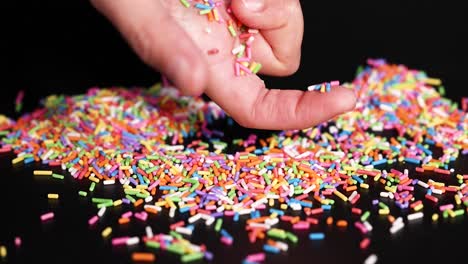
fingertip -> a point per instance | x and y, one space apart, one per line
346 99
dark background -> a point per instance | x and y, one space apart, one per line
67 47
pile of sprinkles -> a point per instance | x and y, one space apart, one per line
161 148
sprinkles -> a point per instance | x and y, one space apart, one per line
161 149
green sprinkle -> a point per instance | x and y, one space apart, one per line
174 248
58 176
101 200
106 204
365 215
185 3
293 238
153 244
277 233
219 224
92 186
83 193
192 257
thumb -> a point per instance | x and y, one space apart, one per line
262 14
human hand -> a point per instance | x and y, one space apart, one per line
173 40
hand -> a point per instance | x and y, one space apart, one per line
174 40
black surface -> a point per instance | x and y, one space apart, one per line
66 47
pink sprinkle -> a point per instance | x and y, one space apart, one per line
259 257
237 69
228 213
364 243
312 220
361 227
446 207
227 241
245 69
301 225
17 241
244 59
119 241
153 185
143 216
316 211
249 53
47 216
335 83
93 220
127 214
19 97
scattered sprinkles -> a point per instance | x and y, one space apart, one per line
323 87
160 147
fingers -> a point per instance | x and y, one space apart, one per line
252 105
158 41
282 27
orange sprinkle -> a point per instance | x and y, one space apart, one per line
123 220
143 257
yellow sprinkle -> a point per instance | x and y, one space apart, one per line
53 196
94 179
364 185
451 213
18 159
43 172
284 206
377 177
342 196
390 189
117 202
435 217
384 211
457 199
418 207
106 232
271 202
433 81
161 203
3 252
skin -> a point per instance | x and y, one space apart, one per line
172 39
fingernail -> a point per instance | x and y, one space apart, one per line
254 5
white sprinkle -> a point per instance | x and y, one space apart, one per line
149 199
149 232
309 189
396 227
209 221
415 216
372 259
368 226
194 218
172 212
133 241
101 211
423 184
183 230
